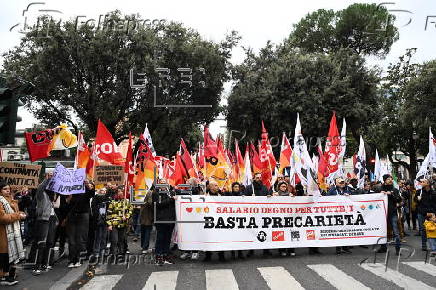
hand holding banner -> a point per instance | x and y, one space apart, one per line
67 181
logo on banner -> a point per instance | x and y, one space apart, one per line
261 236
310 234
189 209
295 235
278 236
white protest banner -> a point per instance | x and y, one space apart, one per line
67 181
238 223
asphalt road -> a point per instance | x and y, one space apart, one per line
304 271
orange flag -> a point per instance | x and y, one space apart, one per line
83 153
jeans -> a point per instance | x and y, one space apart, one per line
136 223
163 238
421 220
42 249
393 220
145 236
118 236
432 243
100 239
77 231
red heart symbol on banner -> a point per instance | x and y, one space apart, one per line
189 209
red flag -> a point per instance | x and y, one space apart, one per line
266 168
332 146
210 146
180 175
129 166
264 136
105 146
240 165
186 160
38 144
255 161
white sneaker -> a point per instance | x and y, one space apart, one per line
293 254
194 256
71 265
283 254
184 256
78 264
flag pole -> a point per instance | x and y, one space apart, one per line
76 160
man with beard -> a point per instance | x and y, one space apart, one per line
394 199
257 188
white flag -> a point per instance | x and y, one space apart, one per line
301 160
360 166
423 171
248 178
377 167
431 149
147 137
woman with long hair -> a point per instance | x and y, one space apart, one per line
11 245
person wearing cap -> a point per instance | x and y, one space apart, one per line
394 199
340 189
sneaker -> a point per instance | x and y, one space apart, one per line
71 265
36 272
283 254
292 254
167 261
184 256
8 281
159 260
194 256
78 264
46 268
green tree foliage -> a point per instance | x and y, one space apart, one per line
367 29
409 102
278 83
81 74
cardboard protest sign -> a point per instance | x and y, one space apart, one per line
67 181
18 175
109 173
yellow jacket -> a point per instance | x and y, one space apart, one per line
430 229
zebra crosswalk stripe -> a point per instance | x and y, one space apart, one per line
103 282
162 280
395 277
337 277
278 278
424 267
221 279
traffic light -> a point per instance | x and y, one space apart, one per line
8 116
9 103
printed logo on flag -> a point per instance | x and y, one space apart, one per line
278 236
310 235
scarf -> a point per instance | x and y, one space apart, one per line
13 234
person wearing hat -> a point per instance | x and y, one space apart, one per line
394 199
340 189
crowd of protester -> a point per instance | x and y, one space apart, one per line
97 223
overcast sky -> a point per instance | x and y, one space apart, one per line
256 21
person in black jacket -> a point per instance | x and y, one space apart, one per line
99 206
426 203
164 199
77 224
394 199
236 191
257 188
214 190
